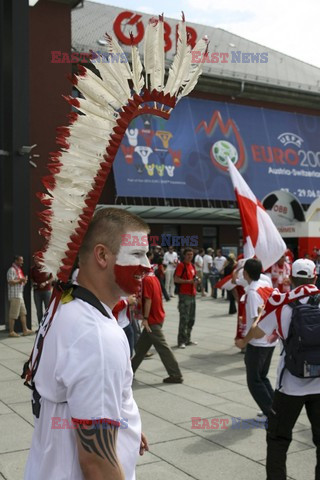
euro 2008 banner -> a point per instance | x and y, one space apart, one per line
185 156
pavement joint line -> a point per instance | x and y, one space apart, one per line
148 463
198 389
192 401
192 371
171 439
10 370
230 449
16 413
18 351
15 451
160 418
292 453
174 466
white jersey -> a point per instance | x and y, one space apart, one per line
253 303
219 262
84 373
170 260
291 385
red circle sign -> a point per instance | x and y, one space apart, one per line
134 19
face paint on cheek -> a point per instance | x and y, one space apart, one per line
132 263
129 277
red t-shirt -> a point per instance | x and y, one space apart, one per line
151 288
186 271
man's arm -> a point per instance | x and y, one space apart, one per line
182 280
97 452
12 278
254 332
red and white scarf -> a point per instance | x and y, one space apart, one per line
18 271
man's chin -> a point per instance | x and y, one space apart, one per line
131 289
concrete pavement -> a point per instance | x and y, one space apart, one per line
214 388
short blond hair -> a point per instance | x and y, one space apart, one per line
107 227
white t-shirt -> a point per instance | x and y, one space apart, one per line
84 373
291 385
198 262
207 262
219 262
172 258
252 304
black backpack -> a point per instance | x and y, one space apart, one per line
177 285
302 345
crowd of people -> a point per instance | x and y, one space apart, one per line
136 306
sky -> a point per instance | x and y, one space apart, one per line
290 27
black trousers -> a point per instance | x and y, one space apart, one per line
257 360
281 421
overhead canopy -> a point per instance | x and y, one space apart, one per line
180 215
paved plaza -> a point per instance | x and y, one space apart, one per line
214 387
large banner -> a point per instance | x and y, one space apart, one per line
180 158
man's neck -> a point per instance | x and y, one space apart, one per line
101 291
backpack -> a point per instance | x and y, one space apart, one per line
178 285
302 345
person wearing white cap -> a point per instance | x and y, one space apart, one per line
293 392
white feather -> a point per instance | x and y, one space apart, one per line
137 78
157 75
92 87
111 76
195 71
113 47
149 38
181 62
90 107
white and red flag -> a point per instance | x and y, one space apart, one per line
260 236
277 300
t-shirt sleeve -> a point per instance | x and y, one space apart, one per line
11 275
254 301
269 323
93 372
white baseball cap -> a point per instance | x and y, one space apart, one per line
303 268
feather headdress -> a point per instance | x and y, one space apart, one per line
89 144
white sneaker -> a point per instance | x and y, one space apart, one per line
182 345
260 413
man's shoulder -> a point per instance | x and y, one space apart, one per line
149 280
253 290
81 311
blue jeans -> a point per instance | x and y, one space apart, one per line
41 299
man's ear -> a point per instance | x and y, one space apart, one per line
101 254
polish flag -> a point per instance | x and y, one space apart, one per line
226 283
277 300
260 235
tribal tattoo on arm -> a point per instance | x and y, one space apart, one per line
100 439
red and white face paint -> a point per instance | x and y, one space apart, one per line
132 262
